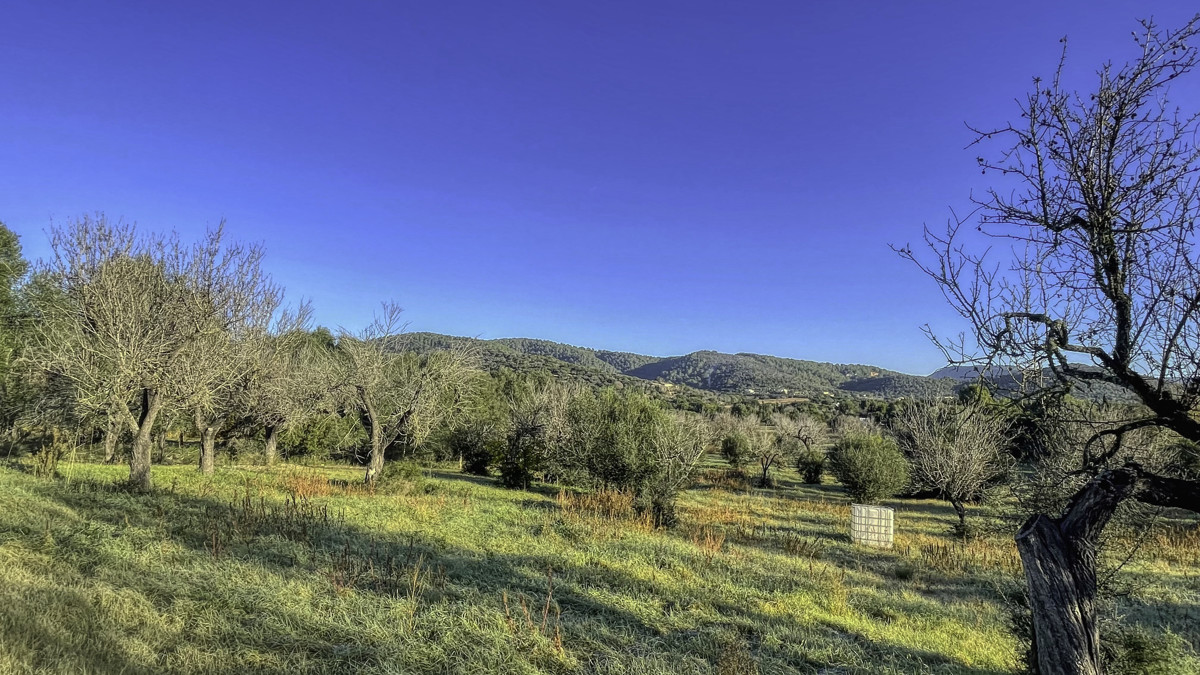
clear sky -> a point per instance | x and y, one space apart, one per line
657 177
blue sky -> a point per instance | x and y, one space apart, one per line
656 177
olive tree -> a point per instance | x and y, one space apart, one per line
399 395
955 449
1095 207
535 426
122 316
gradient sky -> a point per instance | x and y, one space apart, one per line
657 177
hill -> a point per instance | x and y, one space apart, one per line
717 372
1007 381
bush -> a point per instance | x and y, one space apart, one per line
478 444
811 464
735 448
870 466
1130 650
401 471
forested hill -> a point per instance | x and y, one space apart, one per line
754 374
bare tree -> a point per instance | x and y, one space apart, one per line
1095 212
290 379
126 312
774 446
953 448
400 395
216 371
811 432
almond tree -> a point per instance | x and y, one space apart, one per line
953 448
291 377
1095 214
129 312
400 395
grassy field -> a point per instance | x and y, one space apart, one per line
299 570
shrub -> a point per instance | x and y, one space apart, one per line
735 448
870 466
401 471
811 464
1132 649
477 444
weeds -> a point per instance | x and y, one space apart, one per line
709 541
528 626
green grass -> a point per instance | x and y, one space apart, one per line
285 572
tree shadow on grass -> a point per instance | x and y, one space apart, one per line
109 534
259 572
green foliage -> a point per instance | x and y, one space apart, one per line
12 270
704 370
478 443
871 467
811 464
14 392
1133 650
975 393
323 436
735 448
401 471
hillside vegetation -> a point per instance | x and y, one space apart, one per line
704 370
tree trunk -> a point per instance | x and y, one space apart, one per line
375 459
207 428
378 446
1059 557
960 510
208 449
143 445
111 435
269 447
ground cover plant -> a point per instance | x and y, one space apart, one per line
306 569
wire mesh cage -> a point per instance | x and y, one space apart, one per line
872 525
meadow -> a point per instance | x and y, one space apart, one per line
302 569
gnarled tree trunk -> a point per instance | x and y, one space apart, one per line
1059 557
143 443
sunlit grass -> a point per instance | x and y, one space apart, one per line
301 569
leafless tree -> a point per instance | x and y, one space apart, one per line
128 312
216 372
401 395
953 448
1095 210
811 432
772 446
291 378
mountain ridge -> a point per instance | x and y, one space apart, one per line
743 373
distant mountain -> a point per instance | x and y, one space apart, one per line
745 374
1007 381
